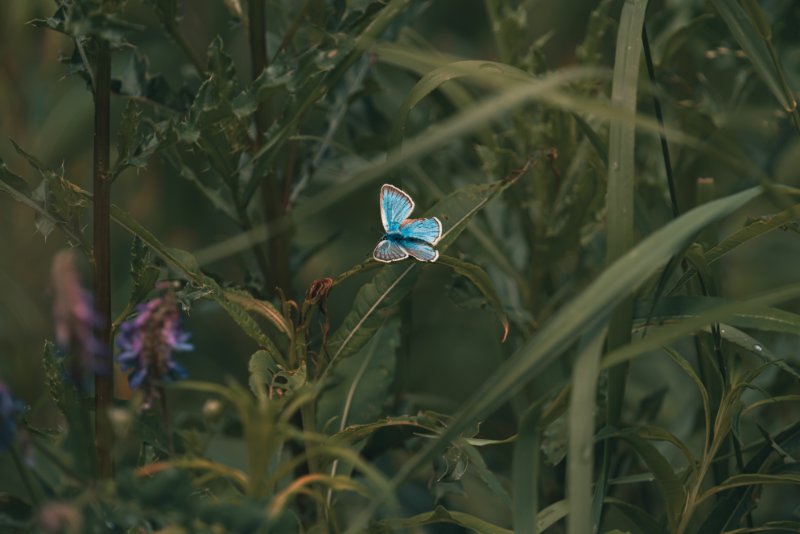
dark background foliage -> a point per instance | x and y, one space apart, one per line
183 146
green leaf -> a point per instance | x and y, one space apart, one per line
262 367
751 41
671 309
751 479
360 384
482 282
580 456
264 308
687 368
441 515
144 274
751 230
728 509
664 335
525 470
668 481
37 200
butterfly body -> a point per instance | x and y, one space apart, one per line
405 237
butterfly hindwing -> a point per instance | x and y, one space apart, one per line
420 250
396 206
428 230
389 251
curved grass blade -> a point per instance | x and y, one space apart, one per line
481 281
485 71
662 336
673 309
670 484
744 235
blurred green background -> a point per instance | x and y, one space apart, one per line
708 90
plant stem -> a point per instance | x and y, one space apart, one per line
271 198
103 381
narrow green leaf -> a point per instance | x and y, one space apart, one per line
485 71
580 421
670 484
751 41
672 309
731 506
621 182
620 196
482 282
525 471
751 230
687 368
667 334
751 479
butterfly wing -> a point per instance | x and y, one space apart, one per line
389 251
396 206
428 230
420 250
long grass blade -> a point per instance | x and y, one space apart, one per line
580 449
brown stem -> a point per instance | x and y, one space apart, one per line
279 274
104 380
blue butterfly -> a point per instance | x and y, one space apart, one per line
405 237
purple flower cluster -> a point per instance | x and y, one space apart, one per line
10 408
75 320
147 342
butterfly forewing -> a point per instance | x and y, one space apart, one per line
428 230
389 251
396 206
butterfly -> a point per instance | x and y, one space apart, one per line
405 237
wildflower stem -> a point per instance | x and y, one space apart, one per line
104 382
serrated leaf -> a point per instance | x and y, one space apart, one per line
262 368
480 280
263 308
144 274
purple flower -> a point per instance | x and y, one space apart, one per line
147 342
10 408
75 319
